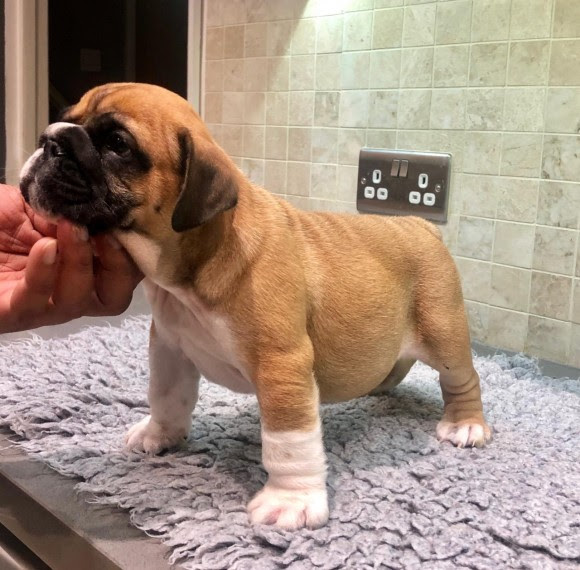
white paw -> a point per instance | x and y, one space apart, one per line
464 434
151 437
289 510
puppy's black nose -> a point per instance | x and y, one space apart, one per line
53 149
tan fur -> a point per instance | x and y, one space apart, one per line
319 304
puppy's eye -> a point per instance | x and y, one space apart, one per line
117 144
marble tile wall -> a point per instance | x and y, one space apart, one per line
294 88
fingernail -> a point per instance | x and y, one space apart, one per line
50 251
113 242
82 233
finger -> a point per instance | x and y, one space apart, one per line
30 300
116 276
75 281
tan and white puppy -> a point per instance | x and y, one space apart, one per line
297 307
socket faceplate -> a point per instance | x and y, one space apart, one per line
402 182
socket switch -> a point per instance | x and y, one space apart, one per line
403 182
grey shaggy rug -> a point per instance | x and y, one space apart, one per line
399 499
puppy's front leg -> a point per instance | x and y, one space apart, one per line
173 393
292 450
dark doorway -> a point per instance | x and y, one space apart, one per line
101 41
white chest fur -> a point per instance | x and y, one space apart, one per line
185 324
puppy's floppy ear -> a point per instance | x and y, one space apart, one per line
206 189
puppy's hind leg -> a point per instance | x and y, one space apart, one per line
395 377
173 392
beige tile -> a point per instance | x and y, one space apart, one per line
253 168
475 279
554 250
214 76
510 288
414 109
302 70
565 62
491 19
357 31
277 109
559 204
304 37
358 5
215 12
233 108
301 108
255 108
329 32
299 143
453 22
298 179
325 145
328 71
478 319
233 42
578 259
385 68
528 62
299 202
416 67
479 195
524 109
216 132
323 181
255 40
233 75
381 138
484 109
521 155
419 25
213 107
383 107
455 194
448 109
482 153
346 183
561 157
354 109
576 302
315 8
276 143
354 70
214 43
275 176
279 37
517 200
530 19
550 296
450 66
254 138
278 77
234 12
233 139
514 244
488 64
326 107
567 19
450 141
350 141
475 238
387 28
268 10
255 74
574 356
563 110
388 3
507 329
449 232
412 140
548 338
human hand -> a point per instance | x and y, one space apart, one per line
50 274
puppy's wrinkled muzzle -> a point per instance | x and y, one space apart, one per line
71 169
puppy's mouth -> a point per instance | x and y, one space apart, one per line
65 178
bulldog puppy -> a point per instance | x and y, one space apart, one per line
297 307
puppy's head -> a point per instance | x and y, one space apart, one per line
133 157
